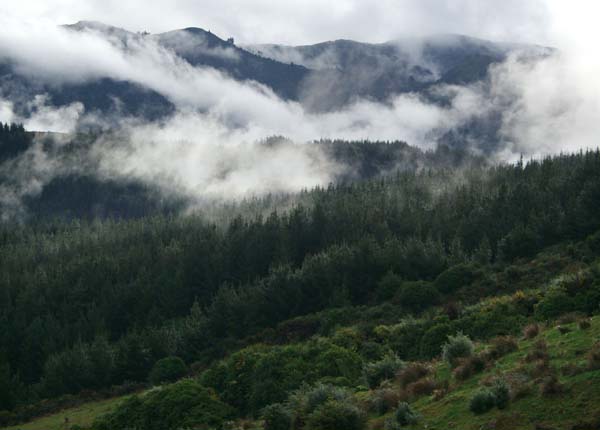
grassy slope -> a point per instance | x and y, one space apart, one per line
579 402
82 415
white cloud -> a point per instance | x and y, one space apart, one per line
207 147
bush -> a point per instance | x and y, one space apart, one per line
584 324
482 401
306 399
168 369
417 295
468 367
571 369
424 387
569 318
459 346
539 352
501 393
433 339
381 370
388 286
384 400
412 373
531 331
503 345
550 386
186 404
336 415
593 357
276 417
455 277
405 415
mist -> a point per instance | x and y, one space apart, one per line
208 146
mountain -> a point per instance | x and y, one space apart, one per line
202 48
344 70
323 77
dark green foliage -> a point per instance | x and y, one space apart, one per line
384 400
13 140
167 369
574 293
522 241
310 401
384 369
416 296
405 415
483 401
276 417
433 339
336 415
457 347
185 404
90 304
388 286
83 366
497 395
501 393
254 377
11 389
455 277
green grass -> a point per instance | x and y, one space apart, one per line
579 402
82 415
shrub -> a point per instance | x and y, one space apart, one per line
531 331
384 400
412 373
305 400
550 386
185 404
405 415
468 367
569 318
381 370
423 387
593 357
584 324
455 277
503 345
555 302
276 417
458 346
417 295
6 418
541 368
482 401
336 415
433 339
452 310
388 286
570 369
168 369
501 393
539 352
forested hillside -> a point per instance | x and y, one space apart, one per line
401 255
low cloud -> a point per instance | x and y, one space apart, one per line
43 116
208 147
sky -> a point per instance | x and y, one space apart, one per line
311 21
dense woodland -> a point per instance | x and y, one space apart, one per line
93 302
